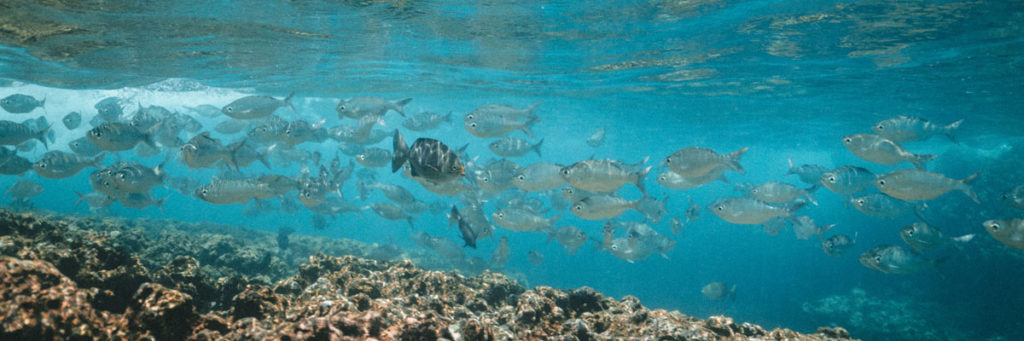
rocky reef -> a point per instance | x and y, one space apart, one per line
877 318
84 278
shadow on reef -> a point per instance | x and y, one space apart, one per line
89 279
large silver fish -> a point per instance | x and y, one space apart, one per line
835 246
779 193
11 163
717 291
571 237
429 159
514 147
58 165
1007 231
746 210
878 149
605 175
116 136
500 111
602 206
21 103
675 181
14 133
257 106
883 206
847 180
892 259
228 191
922 236
1014 197
426 121
493 126
906 128
362 106
692 162
539 177
914 184
517 219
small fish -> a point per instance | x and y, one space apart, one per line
496 177
116 136
571 237
14 133
808 173
892 259
491 126
746 210
922 236
605 175
358 107
847 180
109 109
205 110
469 235
717 291
391 212
72 120
256 106
426 121
358 133
773 226
692 212
779 193
539 177
395 193
804 227
602 206
914 184
535 257
906 128
229 191
501 253
299 131
241 154
374 157
677 225
132 177
445 247
1007 231
202 151
1014 197
514 147
429 159
672 180
24 189
56 164
82 146
20 103
596 139
500 111
878 149
141 200
517 219
11 163
95 200
692 162
835 246
883 206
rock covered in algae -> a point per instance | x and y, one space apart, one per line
327 298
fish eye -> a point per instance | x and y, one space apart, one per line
229 109
847 140
473 124
753 190
668 160
455 168
720 208
881 182
565 172
860 201
832 179
42 165
880 127
521 177
341 107
994 227
501 214
828 245
878 259
910 233
485 179
205 191
578 208
469 117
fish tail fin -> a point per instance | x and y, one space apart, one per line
448 118
288 101
810 197
825 228
959 242
640 179
532 108
733 160
233 154
526 127
160 204
263 156
411 225
796 206
919 211
919 160
551 222
81 197
551 234
965 187
948 130
41 136
97 161
400 153
536 147
363 191
400 106
791 166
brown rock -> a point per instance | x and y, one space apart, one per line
40 303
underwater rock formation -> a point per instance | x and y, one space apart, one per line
878 318
77 278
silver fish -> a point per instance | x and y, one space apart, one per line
232 126
257 106
500 111
535 257
72 120
501 253
605 175
299 131
692 212
109 109
517 219
573 194
374 157
847 180
779 193
496 176
229 191
1007 231
205 110
492 126
13 133
58 165
391 212
746 210
883 206
398 194
835 246
717 291
24 189
677 225
571 237
878 149
95 199
20 103
131 177
692 162
602 206
596 139
358 107
116 136
11 163
539 177
141 200
426 121
514 147
892 259
469 235
444 247
672 180
808 173
773 226
1014 197
922 236
202 151
804 227
914 184
906 128
429 159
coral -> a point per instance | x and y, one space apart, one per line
81 278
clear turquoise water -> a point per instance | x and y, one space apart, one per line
786 78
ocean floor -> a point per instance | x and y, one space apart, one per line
92 278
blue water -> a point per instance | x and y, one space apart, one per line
788 79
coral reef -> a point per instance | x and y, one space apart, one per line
85 279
